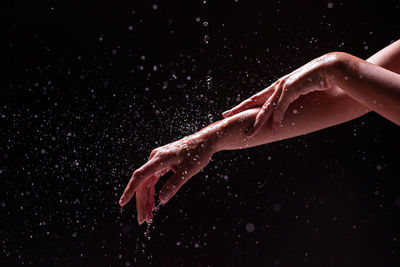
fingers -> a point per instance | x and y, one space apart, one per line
151 191
254 101
280 110
172 186
141 202
150 203
248 103
151 167
264 114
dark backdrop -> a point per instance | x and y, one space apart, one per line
89 88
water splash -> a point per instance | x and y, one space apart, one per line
209 80
206 38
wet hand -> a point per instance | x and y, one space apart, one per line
184 157
276 98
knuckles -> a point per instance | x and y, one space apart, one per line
163 153
153 153
253 98
137 173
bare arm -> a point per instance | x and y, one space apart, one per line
187 156
373 86
310 113
378 84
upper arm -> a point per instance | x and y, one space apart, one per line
388 57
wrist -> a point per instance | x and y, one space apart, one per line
209 137
229 133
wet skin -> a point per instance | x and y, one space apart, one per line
373 86
330 90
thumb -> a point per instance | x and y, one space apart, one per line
172 186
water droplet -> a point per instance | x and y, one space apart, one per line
250 227
277 207
209 80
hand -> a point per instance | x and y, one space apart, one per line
278 96
184 157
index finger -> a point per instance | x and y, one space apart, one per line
154 165
254 101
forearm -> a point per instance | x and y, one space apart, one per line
310 113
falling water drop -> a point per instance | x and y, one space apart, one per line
210 117
209 80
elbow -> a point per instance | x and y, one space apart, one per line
338 59
340 63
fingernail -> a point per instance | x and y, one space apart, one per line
150 218
122 199
165 197
226 113
140 219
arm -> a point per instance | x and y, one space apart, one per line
374 87
189 155
291 87
310 113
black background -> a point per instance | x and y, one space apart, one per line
89 88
